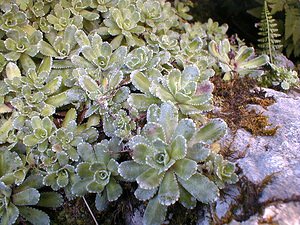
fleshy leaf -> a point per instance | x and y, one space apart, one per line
168 191
47 110
46 49
52 86
50 180
9 161
161 92
95 187
79 188
29 196
144 194
115 80
140 81
174 81
210 132
80 61
140 152
203 189
88 84
121 95
86 152
153 113
113 166
62 179
113 190
186 199
178 148
198 152
82 38
130 170
190 109
243 54
185 168
168 118
256 62
149 179
83 170
154 131
186 128
141 101
50 199
46 65
5 128
11 215
33 181
12 71
34 216
155 213
101 201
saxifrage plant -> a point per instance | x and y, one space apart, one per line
87 84
170 157
237 63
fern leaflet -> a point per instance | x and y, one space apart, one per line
269 43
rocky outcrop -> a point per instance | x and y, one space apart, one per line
276 158
283 214
271 163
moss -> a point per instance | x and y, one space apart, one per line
257 124
262 101
232 97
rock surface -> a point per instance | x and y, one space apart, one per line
135 217
275 157
283 214
273 162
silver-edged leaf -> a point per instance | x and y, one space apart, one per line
155 213
168 190
202 188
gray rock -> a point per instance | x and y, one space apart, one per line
283 214
224 205
276 157
135 217
272 162
204 217
253 220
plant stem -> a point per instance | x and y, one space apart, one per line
87 205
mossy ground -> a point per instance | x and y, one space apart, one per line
233 97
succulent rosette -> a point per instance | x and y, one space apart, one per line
166 156
241 62
98 173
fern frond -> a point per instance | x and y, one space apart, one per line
269 42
